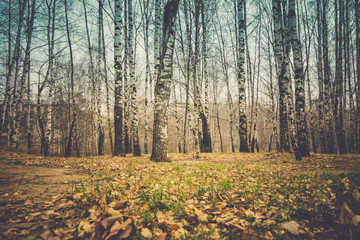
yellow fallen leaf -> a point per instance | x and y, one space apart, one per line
84 227
179 234
158 234
268 235
160 217
292 227
144 208
113 212
146 233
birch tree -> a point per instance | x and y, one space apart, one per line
145 8
357 24
133 90
163 84
119 147
72 110
328 109
10 99
338 101
21 93
241 77
299 83
99 76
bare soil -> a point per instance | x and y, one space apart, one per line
29 189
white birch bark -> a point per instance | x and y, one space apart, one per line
72 110
145 7
241 77
99 76
299 83
163 84
133 90
51 43
19 101
119 147
10 100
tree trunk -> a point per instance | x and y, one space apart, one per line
163 84
328 110
107 88
133 90
119 147
28 114
146 20
338 108
10 104
21 93
279 55
72 130
7 95
357 24
187 86
99 76
241 78
157 42
299 83
178 143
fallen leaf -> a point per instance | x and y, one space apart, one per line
160 217
146 233
144 208
114 212
355 220
268 235
84 227
179 234
292 227
158 234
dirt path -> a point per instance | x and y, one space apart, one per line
25 189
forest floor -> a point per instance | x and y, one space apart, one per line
219 196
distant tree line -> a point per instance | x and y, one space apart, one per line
82 78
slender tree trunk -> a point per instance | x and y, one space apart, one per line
10 104
72 130
196 90
338 108
178 143
241 77
299 83
119 146
28 114
218 115
279 52
187 87
7 96
146 20
320 75
357 24
133 90
21 94
163 84
328 110
127 96
107 89
91 76
205 67
157 42
51 43
99 76
274 135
